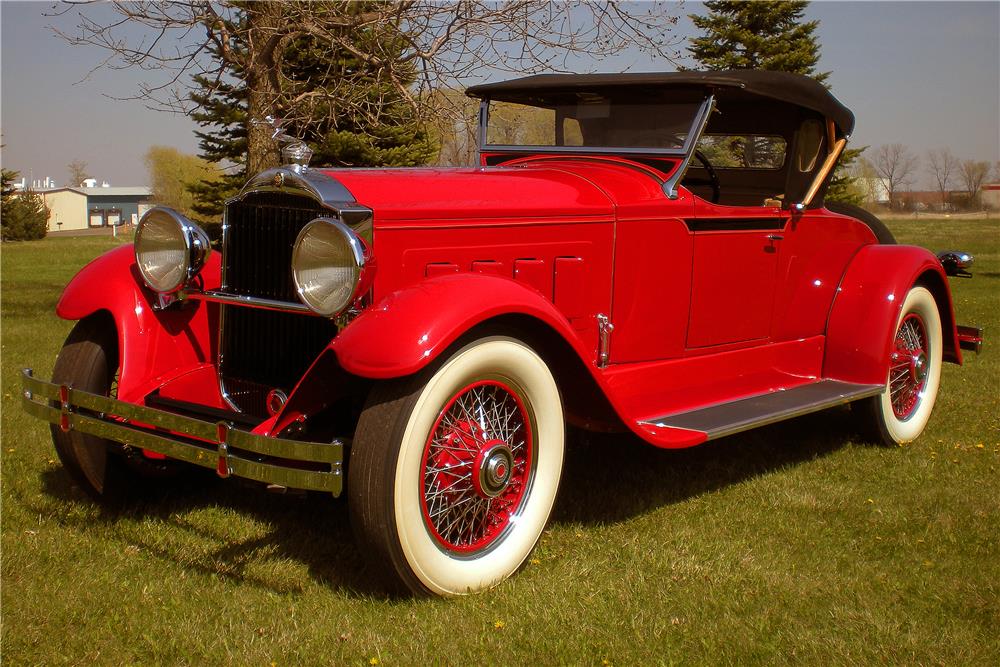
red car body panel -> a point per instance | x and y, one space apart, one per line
487 196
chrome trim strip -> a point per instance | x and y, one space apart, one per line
38 393
484 116
315 184
701 122
217 296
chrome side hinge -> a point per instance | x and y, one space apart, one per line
604 329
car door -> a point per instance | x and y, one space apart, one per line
734 273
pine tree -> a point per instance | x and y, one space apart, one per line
768 35
330 100
222 109
757 35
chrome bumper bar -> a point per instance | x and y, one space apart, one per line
315 466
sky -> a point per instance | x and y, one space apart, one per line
924 74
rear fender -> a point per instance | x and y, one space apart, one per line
154 346
862 322
409 328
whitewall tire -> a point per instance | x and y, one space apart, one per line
453 472
900 414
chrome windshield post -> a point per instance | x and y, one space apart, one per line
697 128
484 119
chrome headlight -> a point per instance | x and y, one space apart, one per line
330 266
169 249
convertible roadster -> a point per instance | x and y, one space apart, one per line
644 253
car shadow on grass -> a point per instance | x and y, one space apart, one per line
606 479
612 478
312 529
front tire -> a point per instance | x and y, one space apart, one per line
454 471
901 412
104 469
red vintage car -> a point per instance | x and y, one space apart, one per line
647 253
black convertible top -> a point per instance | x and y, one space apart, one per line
783 86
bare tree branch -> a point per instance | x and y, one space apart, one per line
896 166
444 43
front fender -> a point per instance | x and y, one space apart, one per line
153 345
410 327
862 323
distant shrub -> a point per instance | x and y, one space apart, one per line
24 218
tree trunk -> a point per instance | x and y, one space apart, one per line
265 33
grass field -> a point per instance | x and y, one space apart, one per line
795 543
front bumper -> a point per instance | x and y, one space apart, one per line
315 466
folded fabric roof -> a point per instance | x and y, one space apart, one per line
783 86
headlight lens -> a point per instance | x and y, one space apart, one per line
169 249
328 265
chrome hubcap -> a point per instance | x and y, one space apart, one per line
919 367
494 464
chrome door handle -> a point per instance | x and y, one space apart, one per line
775 237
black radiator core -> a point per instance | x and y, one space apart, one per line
260 349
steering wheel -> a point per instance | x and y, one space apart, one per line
713 177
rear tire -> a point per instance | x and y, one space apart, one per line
454 471
900 413
104 469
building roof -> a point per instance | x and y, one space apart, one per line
120 191
783 86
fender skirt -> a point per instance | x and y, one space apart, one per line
862 323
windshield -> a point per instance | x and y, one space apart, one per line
599 123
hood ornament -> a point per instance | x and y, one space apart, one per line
294 152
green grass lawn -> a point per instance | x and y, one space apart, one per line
794 543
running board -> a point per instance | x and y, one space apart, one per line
746 413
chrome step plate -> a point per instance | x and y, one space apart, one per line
744 414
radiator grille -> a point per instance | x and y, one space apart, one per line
262 349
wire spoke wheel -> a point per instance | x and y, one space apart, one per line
476 467
909 366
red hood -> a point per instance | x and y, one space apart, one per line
434 194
